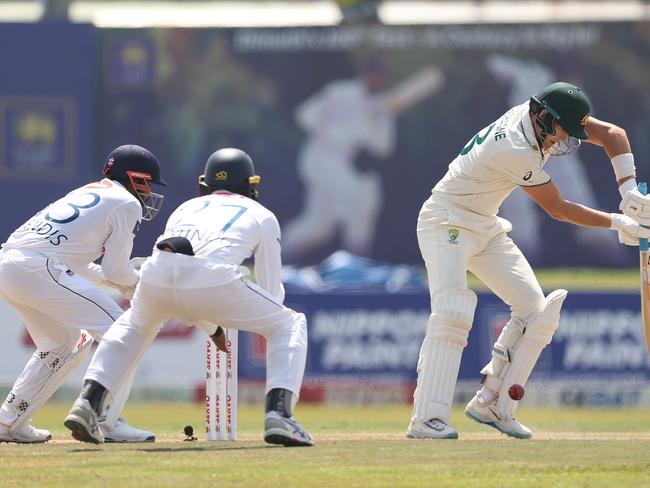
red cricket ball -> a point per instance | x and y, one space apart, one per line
516 392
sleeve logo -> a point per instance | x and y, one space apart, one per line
528 176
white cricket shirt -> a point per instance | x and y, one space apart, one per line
226 229
99 219
492 164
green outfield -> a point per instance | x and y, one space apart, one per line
357 446
575 279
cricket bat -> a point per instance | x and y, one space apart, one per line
644 253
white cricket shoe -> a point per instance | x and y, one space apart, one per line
24 435
486 414
285 431
431 429
82 421
123 432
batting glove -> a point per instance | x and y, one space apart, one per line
636 206
629 230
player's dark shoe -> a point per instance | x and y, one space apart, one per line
285 431
82 421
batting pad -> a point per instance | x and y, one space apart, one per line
502 353
537 336
439 361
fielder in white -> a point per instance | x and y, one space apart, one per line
459 230
195 275
47 272
342 119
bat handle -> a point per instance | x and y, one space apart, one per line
643 189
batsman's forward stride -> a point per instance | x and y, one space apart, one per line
458 230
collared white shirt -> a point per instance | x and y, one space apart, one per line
228 228
98 219
493 163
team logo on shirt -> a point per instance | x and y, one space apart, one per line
221 176
453 235
528 176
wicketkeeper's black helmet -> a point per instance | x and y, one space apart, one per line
230 169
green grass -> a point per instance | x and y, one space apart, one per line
357 446
574 279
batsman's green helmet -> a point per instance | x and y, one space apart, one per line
568 105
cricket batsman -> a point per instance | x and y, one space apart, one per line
48 275
458 230
196 275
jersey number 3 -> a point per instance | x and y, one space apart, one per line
477 139
75 209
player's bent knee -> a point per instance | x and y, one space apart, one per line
300 325
452 315
542 327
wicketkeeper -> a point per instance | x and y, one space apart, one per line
195 275
48 275
459 230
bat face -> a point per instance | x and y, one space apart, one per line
645 295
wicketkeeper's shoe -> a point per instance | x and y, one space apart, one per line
123 432
285 431
486 414
82 421
431 429
24 435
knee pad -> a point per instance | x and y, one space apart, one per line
542 328
452 315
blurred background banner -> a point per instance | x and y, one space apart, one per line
351 126
366 347
47 119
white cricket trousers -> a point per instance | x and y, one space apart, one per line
196 294
54 304
492 256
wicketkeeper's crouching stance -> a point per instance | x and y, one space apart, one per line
459 230
48 275
195 275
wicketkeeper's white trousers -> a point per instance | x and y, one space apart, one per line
187 294
54 304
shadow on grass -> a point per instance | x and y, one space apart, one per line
203 448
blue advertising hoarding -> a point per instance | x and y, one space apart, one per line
47 119
378 337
